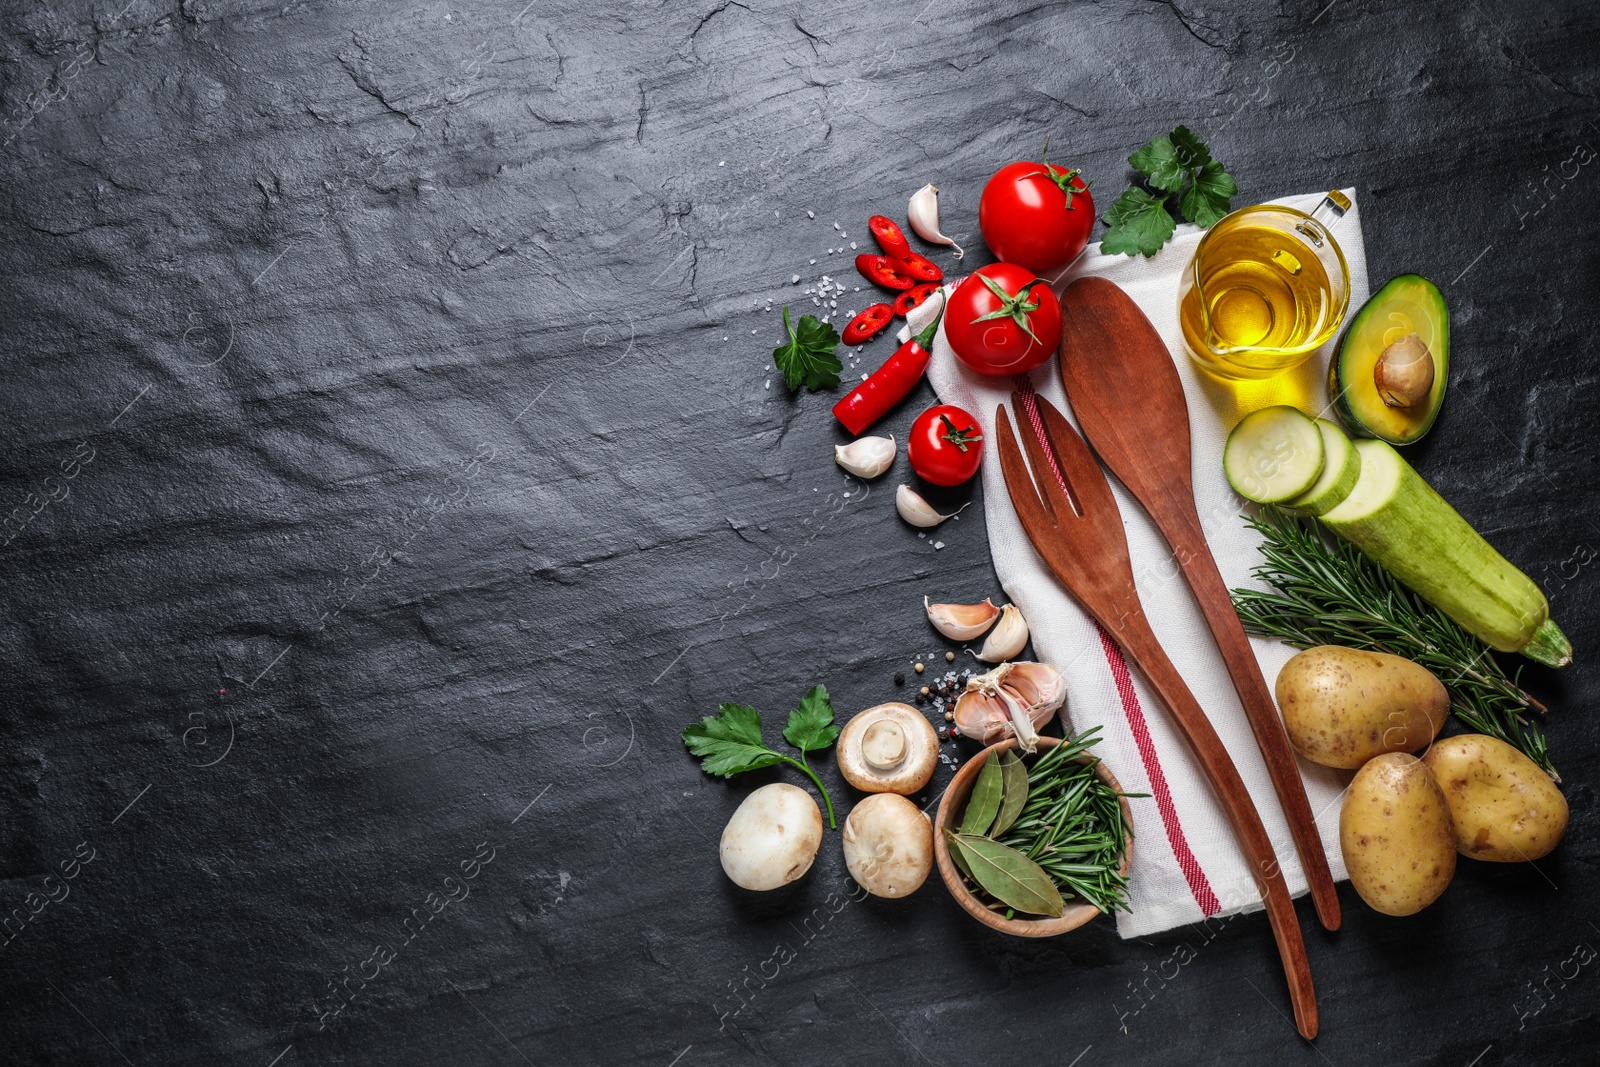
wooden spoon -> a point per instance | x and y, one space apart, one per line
1129 402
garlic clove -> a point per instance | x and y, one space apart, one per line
1040 686
917 511
866 457
1008 638
982 716
923 214
1404 372
962 622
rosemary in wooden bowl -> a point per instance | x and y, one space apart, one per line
1037 845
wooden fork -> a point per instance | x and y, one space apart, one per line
1072 519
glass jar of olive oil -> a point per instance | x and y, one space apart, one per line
1268 286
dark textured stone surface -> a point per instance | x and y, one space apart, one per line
391 368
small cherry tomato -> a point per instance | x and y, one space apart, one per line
921 268
946 445
881 270
867 325
1002 320
1036 215
913 297
891 238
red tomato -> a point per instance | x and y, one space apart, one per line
921 268
867 325
1002 320
1036 215
914 297
891 238
946 445
881 270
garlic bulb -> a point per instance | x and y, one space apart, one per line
1014 698
923 214
962 622
1008 638
865 457
917 511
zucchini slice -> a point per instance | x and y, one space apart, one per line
1273 454
1397 519
1340 470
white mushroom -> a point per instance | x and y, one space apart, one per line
888 845
773 838
888 749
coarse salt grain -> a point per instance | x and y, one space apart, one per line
811 214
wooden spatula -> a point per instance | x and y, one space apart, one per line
1129 402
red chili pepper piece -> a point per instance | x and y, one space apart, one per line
921 268
888 385
881 270
913 297
891 238
867 325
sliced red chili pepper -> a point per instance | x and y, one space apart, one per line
891 238
867 325
881 270
889 384
914 296
921 268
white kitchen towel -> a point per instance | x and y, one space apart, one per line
1187 864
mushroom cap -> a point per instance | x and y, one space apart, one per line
772 838
888 845
890 748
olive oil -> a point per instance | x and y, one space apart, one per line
1266 287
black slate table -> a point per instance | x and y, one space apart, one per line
393 469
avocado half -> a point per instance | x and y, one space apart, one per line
1408 304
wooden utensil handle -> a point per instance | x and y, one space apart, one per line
1133 633
1200 567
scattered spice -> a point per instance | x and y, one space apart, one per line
899 678
918 668
949 657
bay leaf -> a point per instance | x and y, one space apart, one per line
1013 792
1009 876
957 858
984 802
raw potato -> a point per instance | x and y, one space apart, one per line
1505 808
772 838
1343 706
1395 830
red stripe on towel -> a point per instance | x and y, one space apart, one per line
1199 885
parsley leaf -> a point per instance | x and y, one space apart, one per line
811 724
1192 152
1206 201
808 357
1158 162
1142 221
729 742
1137 222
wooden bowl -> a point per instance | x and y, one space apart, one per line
1073 916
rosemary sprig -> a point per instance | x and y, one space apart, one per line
1072 825
1329 593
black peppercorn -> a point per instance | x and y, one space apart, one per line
899 678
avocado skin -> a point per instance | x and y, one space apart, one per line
1350 384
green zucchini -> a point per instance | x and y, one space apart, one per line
1273 454
1340 470
1397 519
